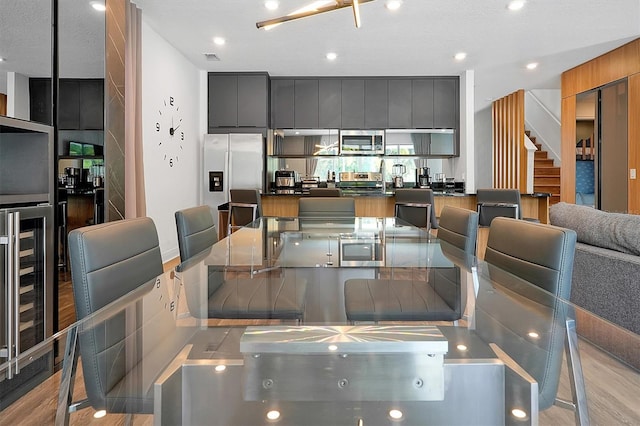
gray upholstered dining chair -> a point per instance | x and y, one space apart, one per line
319 207
439 298
499 202
265 296
245 206
325 192
416 206
108 261
542 255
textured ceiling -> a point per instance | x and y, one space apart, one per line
418 39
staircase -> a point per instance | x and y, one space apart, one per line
546 176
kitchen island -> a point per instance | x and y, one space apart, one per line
382 204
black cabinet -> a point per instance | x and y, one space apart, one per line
330 103
306 104
400 108
238 100
40 100
81 103
422 103
445 103
353 104
376 104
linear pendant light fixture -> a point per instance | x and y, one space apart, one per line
311 11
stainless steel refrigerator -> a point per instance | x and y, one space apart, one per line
231 161
26 255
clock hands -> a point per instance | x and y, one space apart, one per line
172 130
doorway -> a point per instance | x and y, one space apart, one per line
601 148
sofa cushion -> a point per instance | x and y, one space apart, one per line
615 231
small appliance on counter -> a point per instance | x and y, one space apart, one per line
286 179
397 172
423 180
309 182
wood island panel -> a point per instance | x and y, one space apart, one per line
287 205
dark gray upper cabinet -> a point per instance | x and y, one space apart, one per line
69 109
238 100
400 104
306 104
282 103
352 103
81 103
376 104
422 103
253 100
329 103
445 103
91 103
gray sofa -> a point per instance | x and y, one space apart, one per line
606 272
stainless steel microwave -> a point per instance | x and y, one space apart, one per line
362 142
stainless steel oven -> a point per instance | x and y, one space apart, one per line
361 250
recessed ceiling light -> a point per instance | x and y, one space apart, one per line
99 414
515 5
273 415
332 56
271 4
1 59
395 414
518 413
100 7
532 66
393 4
460 56
219 41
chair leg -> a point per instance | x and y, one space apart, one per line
576 379
67 381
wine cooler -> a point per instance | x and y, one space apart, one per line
26 299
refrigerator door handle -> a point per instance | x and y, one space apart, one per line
10 277
228 158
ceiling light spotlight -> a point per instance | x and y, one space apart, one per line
532 66
271 4
515 5
273 415
518 413
393 4
1 59
100 7
99 414
332 56
219 41
395 414
460 56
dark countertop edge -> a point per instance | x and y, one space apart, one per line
391 194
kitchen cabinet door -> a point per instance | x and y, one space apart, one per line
91 102
223 100
40 100
445 103
69 107
306 104
376 104
282 104
329 103
352 103
253 100
400 104
422 103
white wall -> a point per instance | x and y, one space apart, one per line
483 148
18 96
166 73
551 99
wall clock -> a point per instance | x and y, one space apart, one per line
169 131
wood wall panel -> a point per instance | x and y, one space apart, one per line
634 142
3 104
620 63
567 150
611 66
509 153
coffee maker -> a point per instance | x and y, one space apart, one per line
423 180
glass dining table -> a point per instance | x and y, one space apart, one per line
498 362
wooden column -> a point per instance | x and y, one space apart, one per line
509 152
